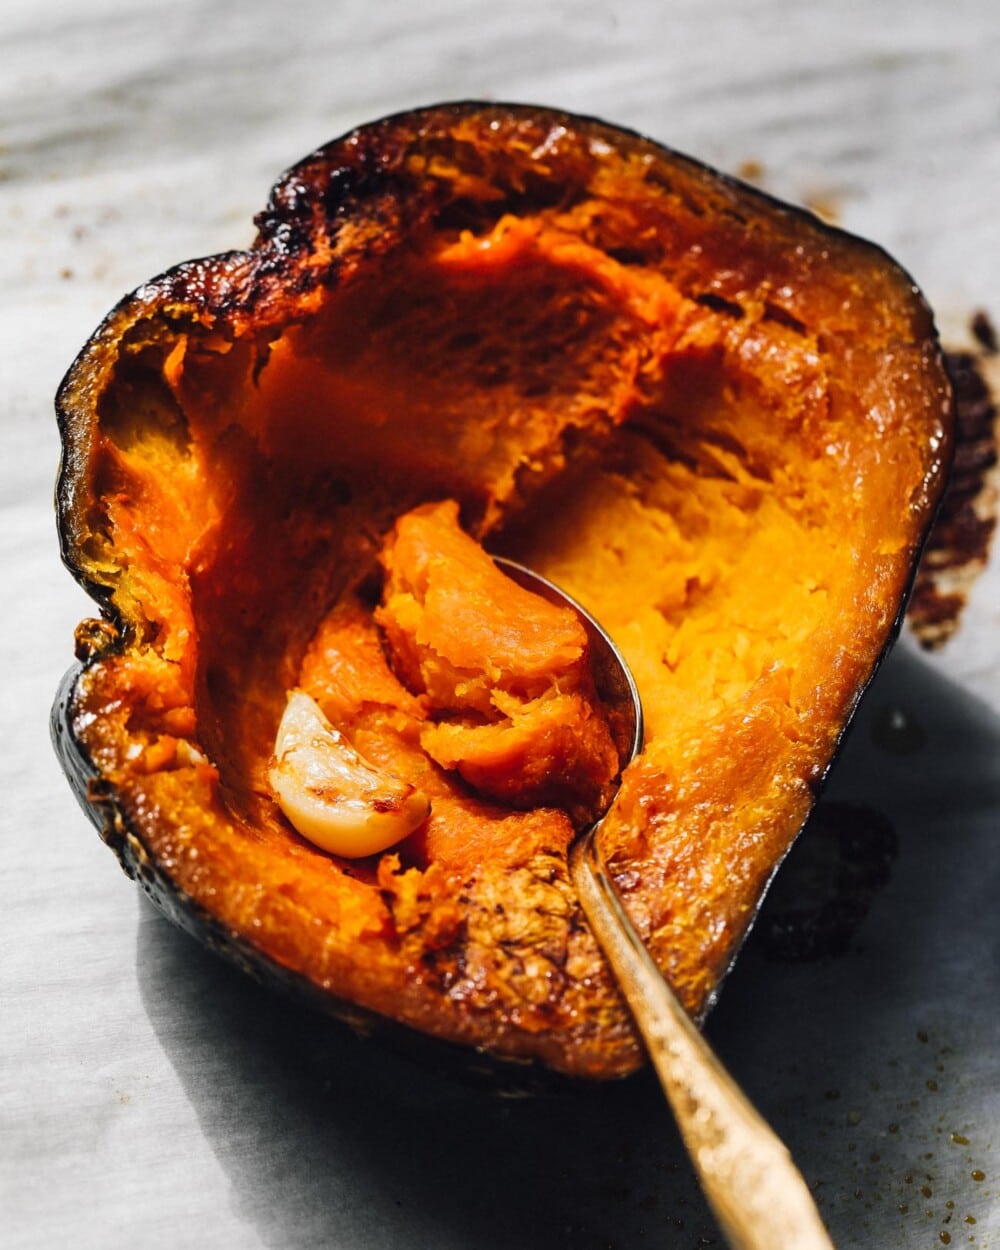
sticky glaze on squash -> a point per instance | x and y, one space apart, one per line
719 424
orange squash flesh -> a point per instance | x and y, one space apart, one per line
506 672
719 425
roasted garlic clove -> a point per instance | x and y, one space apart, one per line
331 794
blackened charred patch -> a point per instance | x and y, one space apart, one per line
959 544
344 186
717 303
781 316
324 186
629 256
985 333
826 886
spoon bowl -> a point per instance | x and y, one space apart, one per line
755 1190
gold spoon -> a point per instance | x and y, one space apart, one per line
746 1172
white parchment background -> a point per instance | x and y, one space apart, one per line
150 1098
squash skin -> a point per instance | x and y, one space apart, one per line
303 250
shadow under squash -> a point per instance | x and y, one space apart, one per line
332 1140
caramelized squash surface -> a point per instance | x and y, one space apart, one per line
719 425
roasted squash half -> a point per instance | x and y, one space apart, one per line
718 423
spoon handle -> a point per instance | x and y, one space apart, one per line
757 1194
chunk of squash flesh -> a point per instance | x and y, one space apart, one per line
504 673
